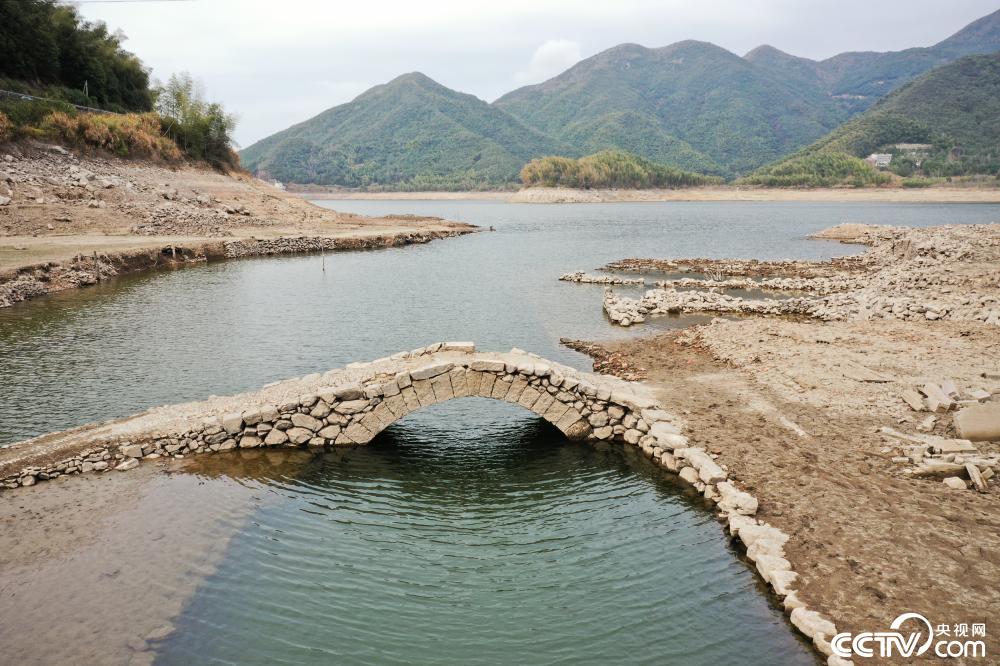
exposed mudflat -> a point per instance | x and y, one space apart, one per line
797 410
94 569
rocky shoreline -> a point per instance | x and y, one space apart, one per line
49 277
946 273
69 220
862 410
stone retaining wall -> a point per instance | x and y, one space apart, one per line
28 282
350 406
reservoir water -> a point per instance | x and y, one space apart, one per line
468 533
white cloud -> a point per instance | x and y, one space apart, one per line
549 59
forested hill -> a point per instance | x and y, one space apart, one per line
411 132
47 49
690 97
692 106
952 111
859 79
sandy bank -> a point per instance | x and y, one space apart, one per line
68 221
565 195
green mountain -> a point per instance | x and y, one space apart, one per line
953 110
861 78
696 94
692 106
409 133
639 134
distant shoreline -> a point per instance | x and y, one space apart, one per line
564 195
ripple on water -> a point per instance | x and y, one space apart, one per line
503 543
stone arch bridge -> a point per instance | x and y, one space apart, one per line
351 405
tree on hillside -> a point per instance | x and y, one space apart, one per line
202 129
47 43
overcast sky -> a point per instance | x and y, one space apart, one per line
278 62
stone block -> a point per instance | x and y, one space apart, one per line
372 423
555 411
459 383
530 396
735 500
249 442
486 384
397 405
329 432
956 483
689 474
275 438
979 423
307 422
570 417
487 366
541 405
425 392
299 435
516 389
603 433
358 433
465 347
347 392
432 370
131 450
384 414
441 385
598 419
578 430
232 423
410 398
500 389
348 407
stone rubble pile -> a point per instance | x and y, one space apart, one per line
810 284
935 273
52 176
362 399
587 278
959 461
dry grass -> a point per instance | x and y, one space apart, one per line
127 135
6 127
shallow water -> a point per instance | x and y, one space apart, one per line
469 532
499 542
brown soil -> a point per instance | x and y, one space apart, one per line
67 214
868 542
